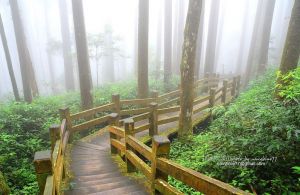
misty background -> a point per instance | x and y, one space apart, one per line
114 22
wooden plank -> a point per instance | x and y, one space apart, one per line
138 163
218 97
140 147
201 100
63 127
92 111
117 131
55 153
90 123
168 120
134 111
65 140
141 117
196 180
219 90
137 101
116 143
167 95
201 108
165 188
200 81
49 186
168 110
141 128
169 102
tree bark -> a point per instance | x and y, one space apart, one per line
187 67
199 43
158 45
168 43
66 44
8 62
212 37
291 52
266 29
242 41
21 46
82 55
109 55
253 49
143 25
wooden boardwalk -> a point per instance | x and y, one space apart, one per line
95 171
89 164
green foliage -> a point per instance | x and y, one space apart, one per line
255 129
24 129
289 89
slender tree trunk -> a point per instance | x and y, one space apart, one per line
168 43
49 52
180 36
158 45
199 43
291 52
8 61
33 82
82 55
187 67
242 41
143 26
65 33
110 65
253 49
21 46
212 37
266 29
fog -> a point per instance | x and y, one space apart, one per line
115 22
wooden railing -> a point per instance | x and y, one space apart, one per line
50 164
138 156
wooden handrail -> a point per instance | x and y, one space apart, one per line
161 167
130 146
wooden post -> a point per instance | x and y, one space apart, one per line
224 91
129 130
113 121
43 167
160 149
212 93
65 114
238 85
115 98
206 82
154 94
54 132
233 87
153 129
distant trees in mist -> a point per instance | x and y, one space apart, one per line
100 51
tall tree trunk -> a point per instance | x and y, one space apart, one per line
180 36
253 49
168 43
266 29
143 26
187 67
49 51
212 37
22 48
199 42
110 65
242 41
65 33
33 82
291 52
158 45
8 62
82 55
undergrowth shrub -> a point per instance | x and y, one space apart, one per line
253 144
